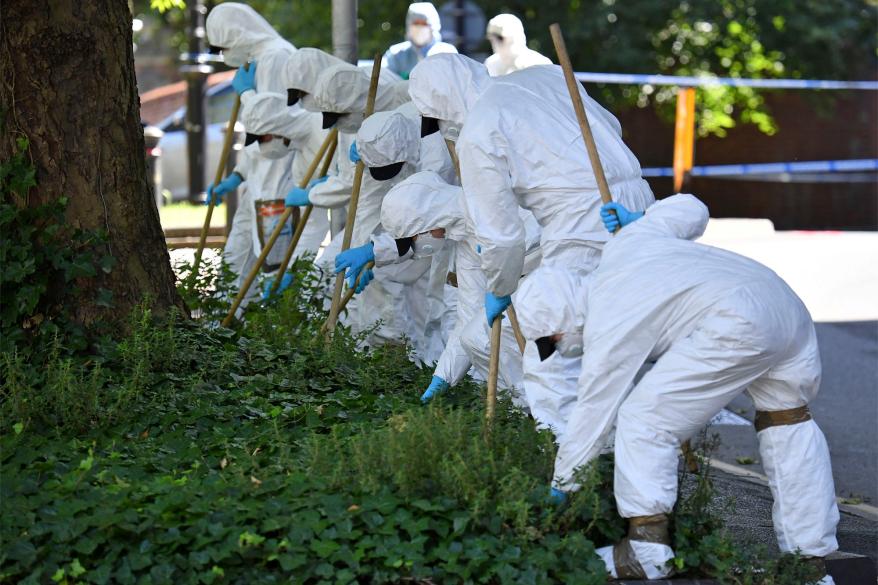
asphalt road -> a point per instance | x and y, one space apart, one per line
846 410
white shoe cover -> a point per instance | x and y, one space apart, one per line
653 557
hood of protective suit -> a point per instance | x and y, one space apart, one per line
421 203
241 32
551 300
388 137
305 66
509 27
268 114
425 11
446 86
344 89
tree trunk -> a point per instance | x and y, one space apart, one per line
68 85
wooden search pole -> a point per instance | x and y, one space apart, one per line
516 328
493 368
272 239
221 167
352 207
573 87
303 221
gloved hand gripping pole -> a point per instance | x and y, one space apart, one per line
220 169
352 207
303 221
257 266
349 294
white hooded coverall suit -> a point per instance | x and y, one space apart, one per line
511 53
245 36
424 202
716 324
520 145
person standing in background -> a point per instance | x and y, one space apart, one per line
511 53
423 40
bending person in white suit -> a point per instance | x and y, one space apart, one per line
716 324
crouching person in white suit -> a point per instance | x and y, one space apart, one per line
716 324
423 211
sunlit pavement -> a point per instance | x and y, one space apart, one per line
836 275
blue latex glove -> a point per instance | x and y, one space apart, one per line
227 185
494 306
353 154
245 79
622 217
437 386
355 259
285 282
365 278
557 497
299 197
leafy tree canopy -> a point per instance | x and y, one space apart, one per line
820 39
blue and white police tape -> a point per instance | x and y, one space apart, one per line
712 81
814 166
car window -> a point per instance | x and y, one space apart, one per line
175 122
219 107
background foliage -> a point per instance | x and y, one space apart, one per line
822 39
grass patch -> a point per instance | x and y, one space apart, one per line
189 215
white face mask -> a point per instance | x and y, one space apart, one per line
449 130
426 245
570 344
497 46
252 148
420 35
234 57
274 149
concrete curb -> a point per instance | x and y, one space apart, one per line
862 510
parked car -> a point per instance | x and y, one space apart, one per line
152 135
174 162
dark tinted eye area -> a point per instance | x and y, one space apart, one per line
546 347
214 50
293 96
330 118
250 138
429 126
403 245
386 172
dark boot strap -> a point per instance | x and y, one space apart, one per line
777 418
650 529
625 561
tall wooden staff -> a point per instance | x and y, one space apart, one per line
352 207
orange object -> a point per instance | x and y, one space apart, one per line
684 135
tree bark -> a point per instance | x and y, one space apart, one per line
68 85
